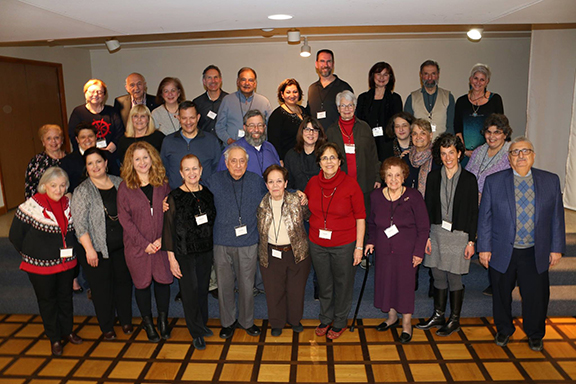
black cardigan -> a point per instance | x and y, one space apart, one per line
465 211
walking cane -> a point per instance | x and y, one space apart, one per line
361 291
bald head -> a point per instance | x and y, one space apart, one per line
136 86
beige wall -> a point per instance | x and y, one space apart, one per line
508 58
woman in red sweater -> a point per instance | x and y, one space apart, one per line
337 227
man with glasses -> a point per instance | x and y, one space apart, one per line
136 88
521 234
261 153
235 105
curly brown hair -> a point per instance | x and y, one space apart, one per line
156 174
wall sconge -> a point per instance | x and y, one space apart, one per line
113 45
305 51
475 34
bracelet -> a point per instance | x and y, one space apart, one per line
360 248
471 243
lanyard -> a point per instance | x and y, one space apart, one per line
392 207
236 198
197 199
482 170
277 231
325 214
170 118
449 197
249 108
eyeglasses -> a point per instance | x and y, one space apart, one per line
346 106
95 91
311 130
259 125
326 158
494 133
524 151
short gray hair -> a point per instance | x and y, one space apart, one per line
482 68
347 95
521 139
253 113
230 148
51 174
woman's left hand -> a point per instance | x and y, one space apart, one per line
469 251
158 243
357 256
416 261
165 205
303 198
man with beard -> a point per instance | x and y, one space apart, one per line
322 94
431 102
235 106
209 102
261 153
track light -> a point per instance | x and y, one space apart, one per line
305 51
113 45
293 36
475 34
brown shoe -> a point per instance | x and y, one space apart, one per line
111 335
57 348
127 329
74 338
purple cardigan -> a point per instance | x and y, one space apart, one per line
500 163
141 229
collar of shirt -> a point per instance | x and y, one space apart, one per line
134 103
519 175
244 99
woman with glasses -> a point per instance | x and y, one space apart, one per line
337 227
170 94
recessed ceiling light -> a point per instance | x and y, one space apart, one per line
280 16
475 34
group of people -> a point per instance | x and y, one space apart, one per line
162 187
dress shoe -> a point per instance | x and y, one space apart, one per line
178 296
127 329
254 330
298 328
228 332
335 333
276 332
199 343
322 329
405 337
214 293
148 326
208 332
110 335
536 344
74 338
57 348
384 327
501 339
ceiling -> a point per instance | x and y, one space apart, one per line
78 22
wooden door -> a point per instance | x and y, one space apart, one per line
31 95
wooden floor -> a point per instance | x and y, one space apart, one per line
363 356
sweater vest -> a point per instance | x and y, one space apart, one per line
438 116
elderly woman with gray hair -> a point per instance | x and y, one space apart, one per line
354 138
474 107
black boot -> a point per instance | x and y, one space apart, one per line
163 327
148 326
431 286
437 319
453 324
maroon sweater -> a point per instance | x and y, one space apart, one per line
346 207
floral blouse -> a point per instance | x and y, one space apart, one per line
36 168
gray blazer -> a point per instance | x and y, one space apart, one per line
88 213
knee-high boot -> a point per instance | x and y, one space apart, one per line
453 324
437 319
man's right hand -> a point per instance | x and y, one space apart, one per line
230 141
485 258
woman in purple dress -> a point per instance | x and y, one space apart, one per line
398 229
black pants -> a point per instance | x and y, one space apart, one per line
144 298
534 289
54 295
111 286
194 284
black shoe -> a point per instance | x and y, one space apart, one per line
487 291
199 343
163 326
405 337
57 348
178 296
110 335
384 327
254 330
228 332
536 344
208 332
148 326
127 329
501 340
275 332
298 328
214 293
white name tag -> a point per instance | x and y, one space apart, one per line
101 143
241 230
377 131
212 115
447 225
321 115
151 211
201 219
433 127
391 230
66 252
350 148
277 254
325 234
241 133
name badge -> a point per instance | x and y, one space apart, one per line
391 230
101 143
321 115
201 219
377 131
433 127
325 234
151 211
350 148
241 230
241 133
276 253
66 252
447 225
212 115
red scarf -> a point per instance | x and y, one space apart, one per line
57 208
348 138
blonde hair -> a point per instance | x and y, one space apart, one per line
92 82
156 174
43 130
140 108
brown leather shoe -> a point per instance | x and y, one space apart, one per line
110 335
57 348
127 329
74 338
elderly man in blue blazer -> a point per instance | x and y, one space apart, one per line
521 234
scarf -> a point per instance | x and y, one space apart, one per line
422 160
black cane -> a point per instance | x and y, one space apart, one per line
361 291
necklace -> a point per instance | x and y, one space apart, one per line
475 110
330 195
390 194
113 218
